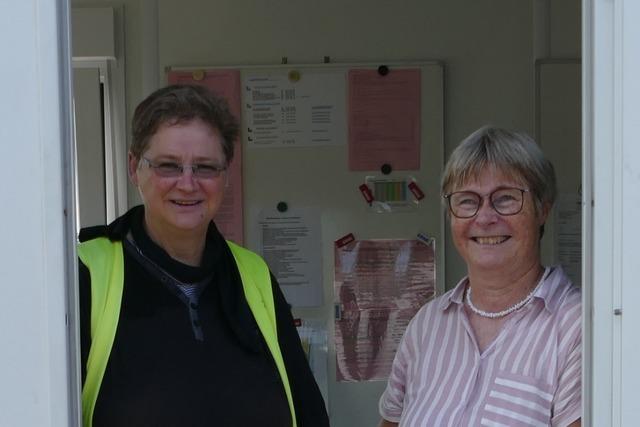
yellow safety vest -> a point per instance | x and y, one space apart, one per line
105 261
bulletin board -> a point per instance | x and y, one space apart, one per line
318 172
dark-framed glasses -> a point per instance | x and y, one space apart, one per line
168 169
505 201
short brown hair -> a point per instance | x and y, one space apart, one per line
179 104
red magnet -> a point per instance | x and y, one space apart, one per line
366 193
345 240
417 192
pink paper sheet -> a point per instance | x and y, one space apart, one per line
225 83
384 119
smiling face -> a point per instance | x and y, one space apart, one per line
180 206
491 243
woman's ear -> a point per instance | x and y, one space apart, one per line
133 169
544 213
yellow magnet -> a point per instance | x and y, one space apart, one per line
294 76
198 75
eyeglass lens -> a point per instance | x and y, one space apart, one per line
175 170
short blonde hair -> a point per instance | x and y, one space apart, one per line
514 154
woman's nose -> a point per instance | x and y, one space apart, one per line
186 181
486 213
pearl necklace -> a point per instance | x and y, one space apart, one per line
496 314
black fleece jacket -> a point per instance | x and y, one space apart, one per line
193 362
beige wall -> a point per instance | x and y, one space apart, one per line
489 47
565 28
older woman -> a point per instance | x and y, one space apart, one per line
503 348
179 326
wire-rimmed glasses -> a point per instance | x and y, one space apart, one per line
168 169
506 201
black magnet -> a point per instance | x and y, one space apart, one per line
383 70
282 207
386 169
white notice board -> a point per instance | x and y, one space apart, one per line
309 174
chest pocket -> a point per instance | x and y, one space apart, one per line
516 400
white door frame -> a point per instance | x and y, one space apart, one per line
39 384
611 230
114 146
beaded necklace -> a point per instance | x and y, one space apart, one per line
509 310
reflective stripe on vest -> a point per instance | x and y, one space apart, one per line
105 261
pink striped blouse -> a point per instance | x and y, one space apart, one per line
530 375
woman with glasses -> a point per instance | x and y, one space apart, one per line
178 326
502 348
